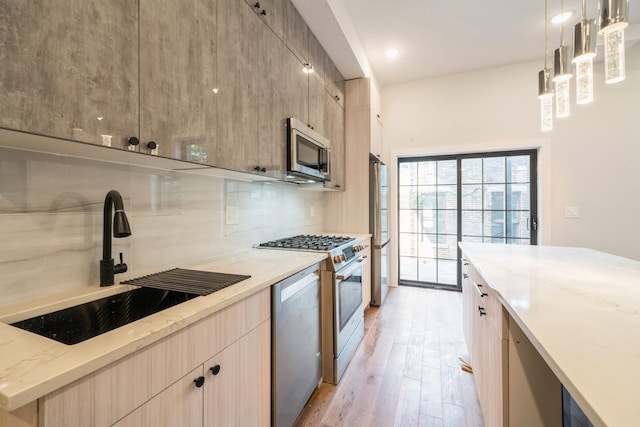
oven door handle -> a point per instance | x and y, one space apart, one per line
344 275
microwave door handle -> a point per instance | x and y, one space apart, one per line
326 152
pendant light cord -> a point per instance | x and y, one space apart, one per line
562 23
584 10
546 41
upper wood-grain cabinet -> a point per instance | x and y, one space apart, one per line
178 84
334 130
70 69
237 60
272 13
334 82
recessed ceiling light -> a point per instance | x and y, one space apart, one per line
391 53
561 17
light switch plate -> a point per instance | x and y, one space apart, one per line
572 212
232 215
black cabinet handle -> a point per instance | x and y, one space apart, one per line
337 98
337 186
199 381
263 13
465 275
215 370
480 291
259 169
482 311
257 5
151 145
133 141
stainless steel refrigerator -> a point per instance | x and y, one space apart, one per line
379 229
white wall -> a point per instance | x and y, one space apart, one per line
590 160
51 219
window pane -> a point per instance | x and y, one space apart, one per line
427 173
518 224
494 224
408 197
407 173
519 197
518 169
518 241
471 171
471 239
493 240
408 268
448 222
427 197
427 221
493 169
494 197
447 172
408 221
427 245
472 223
472 197
408 244
427 270
448 247
448 272
447 197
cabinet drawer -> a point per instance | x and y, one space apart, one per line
489 302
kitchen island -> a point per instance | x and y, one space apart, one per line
580 311
33 367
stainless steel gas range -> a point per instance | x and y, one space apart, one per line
342 307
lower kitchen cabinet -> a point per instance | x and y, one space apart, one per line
514 384
229 389
155 386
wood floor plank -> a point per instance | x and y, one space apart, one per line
406 370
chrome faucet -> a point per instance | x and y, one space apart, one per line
120 229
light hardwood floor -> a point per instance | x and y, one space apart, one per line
406 370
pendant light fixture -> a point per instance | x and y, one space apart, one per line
613 19
584 50
562 74
545 90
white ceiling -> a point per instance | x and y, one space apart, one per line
438 37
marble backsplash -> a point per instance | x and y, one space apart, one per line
51 219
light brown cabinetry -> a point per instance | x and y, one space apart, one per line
334 121
272 13
515 386
164 372
70 69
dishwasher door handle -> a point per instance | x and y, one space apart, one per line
299 286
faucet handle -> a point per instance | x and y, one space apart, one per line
120 268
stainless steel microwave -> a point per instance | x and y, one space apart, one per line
308 153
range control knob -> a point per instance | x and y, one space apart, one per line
343 257
336 259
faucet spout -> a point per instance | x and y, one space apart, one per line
120 229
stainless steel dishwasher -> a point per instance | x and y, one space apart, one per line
295 344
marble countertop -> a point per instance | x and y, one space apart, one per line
581 309
32 366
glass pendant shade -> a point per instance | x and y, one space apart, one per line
545 95
584 50
561 77
613 19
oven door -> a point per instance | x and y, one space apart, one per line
349 308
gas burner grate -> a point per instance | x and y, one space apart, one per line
309 242
191 281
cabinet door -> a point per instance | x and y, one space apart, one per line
296 33
334 82
239 394
283 91
70 69
334 129
237 31
178 79
317 97
178 405
272 13
317 57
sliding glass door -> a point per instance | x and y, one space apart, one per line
442 200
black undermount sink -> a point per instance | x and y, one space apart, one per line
81 322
